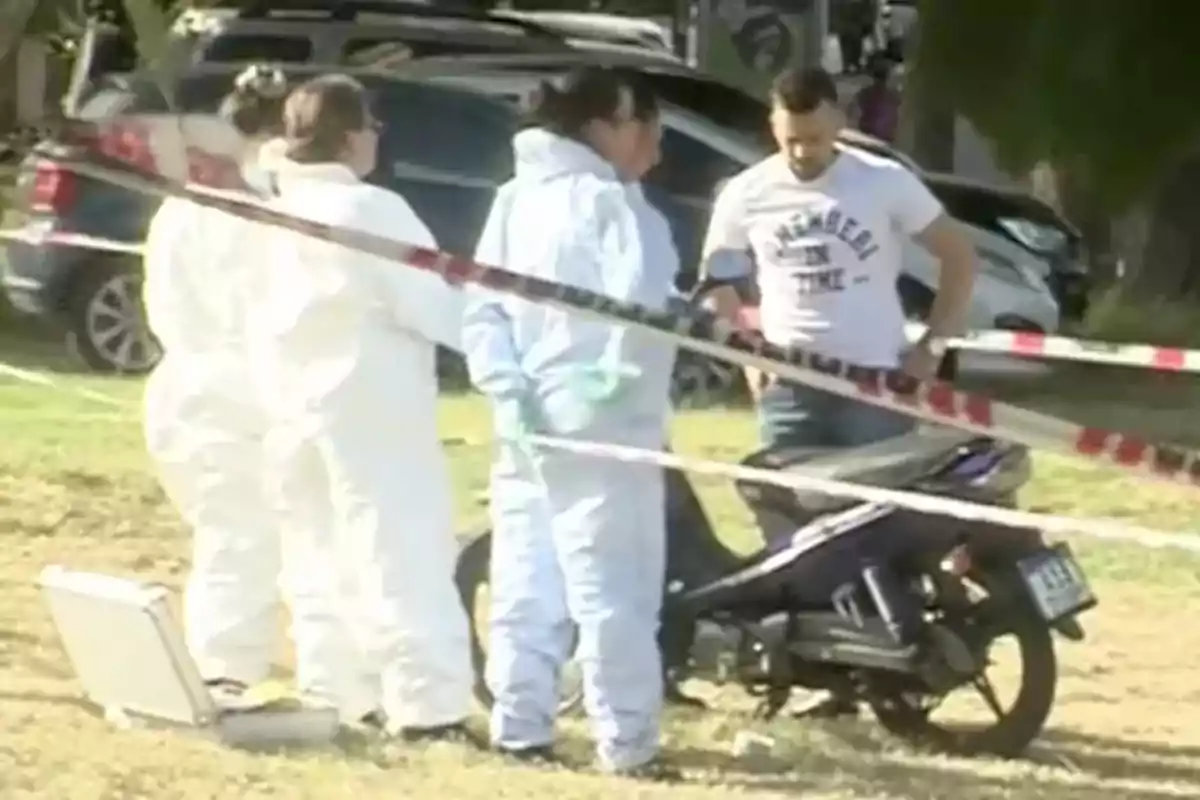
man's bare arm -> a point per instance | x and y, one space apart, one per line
726 303
956 279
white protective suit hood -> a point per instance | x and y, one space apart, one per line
543 156
259 169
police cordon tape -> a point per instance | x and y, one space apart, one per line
67 239
122 411
1107 530
960 509
1027 344
1040 345
703 333
1063 348
31 376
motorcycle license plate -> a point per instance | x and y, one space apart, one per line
1056 582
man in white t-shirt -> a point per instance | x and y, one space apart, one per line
820 229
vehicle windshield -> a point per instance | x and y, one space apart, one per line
1037 236
732 109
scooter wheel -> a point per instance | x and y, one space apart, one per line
471 576
1020 724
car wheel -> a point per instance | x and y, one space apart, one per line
107 323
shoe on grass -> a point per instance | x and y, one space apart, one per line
656 770
454 733
539 756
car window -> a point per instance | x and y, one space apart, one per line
238 47
461 135
725 105
690 168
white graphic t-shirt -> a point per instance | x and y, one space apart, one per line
825 253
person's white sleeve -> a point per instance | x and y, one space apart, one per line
424 302
163 274
726 252
493 362
611 257
619 262
914 207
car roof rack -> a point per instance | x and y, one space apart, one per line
348 10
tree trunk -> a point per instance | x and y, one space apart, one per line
1076 201
1170 264
8 95
933 137
930 122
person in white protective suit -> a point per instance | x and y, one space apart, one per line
577 538
202 430
344 350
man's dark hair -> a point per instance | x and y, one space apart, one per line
589 93
801 91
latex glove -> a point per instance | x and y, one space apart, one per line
591 388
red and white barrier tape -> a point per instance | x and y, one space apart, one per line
1091 351
30 376
702 333
960 509
1020 343
38 238
1023 343
1040 345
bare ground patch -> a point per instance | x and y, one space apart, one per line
1123 727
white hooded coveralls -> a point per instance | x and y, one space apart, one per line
205 432
574 538
344 352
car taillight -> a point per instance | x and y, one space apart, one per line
53 188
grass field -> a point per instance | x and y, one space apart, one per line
75 488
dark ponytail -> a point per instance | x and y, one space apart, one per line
255 106
590 93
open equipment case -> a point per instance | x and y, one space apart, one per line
128 652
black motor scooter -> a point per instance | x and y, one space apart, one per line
880 604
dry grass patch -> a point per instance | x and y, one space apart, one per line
74 489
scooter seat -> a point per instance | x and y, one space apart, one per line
891 463
897 463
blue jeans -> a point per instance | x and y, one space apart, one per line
793 415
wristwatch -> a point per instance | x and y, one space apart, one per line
936 346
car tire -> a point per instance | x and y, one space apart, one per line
106 323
